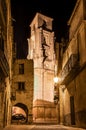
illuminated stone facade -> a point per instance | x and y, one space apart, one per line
73 73
41 50
6 35
33 90
22 90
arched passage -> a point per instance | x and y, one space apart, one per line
20 113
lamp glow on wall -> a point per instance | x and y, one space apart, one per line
56 90
56 79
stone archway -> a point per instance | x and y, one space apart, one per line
20 113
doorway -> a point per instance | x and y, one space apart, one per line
20 113
72 109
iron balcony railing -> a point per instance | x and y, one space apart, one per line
70 69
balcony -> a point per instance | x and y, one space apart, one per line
4 64
70 70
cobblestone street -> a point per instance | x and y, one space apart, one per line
40 127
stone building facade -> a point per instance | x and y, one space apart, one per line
73 73
41 50
6 35
27 84
22 91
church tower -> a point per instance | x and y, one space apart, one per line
41 50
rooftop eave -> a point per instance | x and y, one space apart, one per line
40 14
73 13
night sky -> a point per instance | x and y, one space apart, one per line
23 11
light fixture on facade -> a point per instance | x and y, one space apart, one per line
56 90
13 96
56 79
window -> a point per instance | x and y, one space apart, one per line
21 85
21 68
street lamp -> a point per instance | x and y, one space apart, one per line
56 90
56 97
56 79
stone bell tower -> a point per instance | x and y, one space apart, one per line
41 50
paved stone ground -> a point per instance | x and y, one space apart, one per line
40 127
